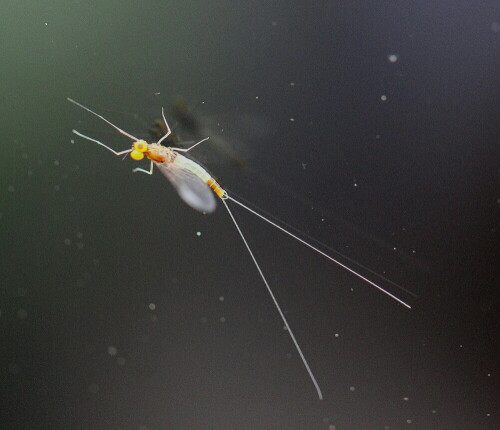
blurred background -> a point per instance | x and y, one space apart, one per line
372 128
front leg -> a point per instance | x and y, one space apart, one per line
149 172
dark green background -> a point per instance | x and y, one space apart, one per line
408 187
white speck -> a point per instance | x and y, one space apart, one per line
409 421
304 165
152 306
292 119
495 27
489 374
337 335
488 415
112 351
11 188
67 242
157 94
198 233
22 314
292 84
434 411
355 184
221 298
352 388
393 58
383 98
413 251
222 319
72 141
46 23
256 97
394 249
406 399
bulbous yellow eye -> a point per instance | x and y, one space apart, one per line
141 146
136 155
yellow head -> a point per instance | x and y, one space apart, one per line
140 147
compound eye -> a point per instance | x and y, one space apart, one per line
140 146
136 155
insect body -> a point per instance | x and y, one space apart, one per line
198 189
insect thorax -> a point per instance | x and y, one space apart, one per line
160 153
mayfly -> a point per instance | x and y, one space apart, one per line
196 187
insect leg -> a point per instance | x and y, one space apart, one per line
166 125
149 172
191 147
102 144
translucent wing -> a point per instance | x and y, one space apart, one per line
190 187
